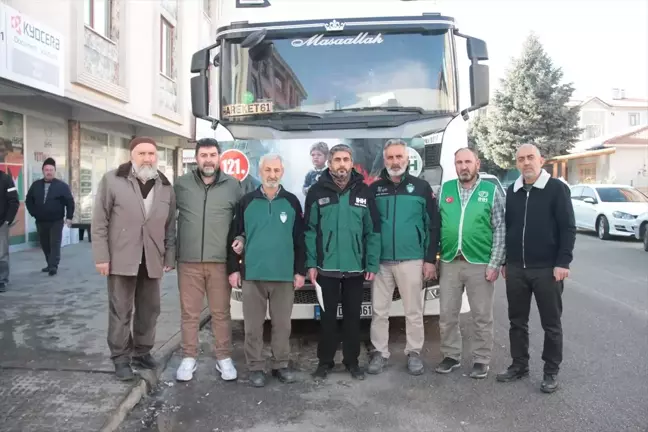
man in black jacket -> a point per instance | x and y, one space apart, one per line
49 200
8 209
540 237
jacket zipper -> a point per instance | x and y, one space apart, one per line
418 233
328 242
463 213
358 244
526 202
394 225
202 246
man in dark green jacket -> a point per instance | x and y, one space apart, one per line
270 221
409 220
343 250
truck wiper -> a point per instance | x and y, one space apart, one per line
282 114
379 108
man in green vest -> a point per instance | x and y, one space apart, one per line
472 252
273 266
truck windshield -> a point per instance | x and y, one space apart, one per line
320 73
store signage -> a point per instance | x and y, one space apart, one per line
31 53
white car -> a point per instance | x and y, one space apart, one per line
608 209
641 229
492 179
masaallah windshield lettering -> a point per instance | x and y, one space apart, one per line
320 40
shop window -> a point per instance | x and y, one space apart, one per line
97 16
12 163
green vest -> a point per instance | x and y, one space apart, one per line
466 228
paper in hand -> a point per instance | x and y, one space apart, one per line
320 298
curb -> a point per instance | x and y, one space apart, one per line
149 379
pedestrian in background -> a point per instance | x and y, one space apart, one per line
472 252
409 237
9 205
343 250
206 199
540 238
50 202
133 243
270 220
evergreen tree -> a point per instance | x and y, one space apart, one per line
528 108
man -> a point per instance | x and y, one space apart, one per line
133 243
472 251
49 201
270 218
540 237
409 238
206 199
8 209
343 250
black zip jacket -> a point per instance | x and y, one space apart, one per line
540 226
58 205
8 198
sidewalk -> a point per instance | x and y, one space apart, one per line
55 368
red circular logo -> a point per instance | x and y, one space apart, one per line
235 163
449 200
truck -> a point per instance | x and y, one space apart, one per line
297 77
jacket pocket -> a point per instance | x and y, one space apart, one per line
328 242
358 245
420 236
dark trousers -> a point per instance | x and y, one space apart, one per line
125 293
521 284
49 236
348 290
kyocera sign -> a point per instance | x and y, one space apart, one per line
32 54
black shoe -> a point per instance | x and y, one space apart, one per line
479 371
123 372
145 362
513 373
323 370
3 287
356 372
257 378
285 375
52 272
45 269
549 383
447 365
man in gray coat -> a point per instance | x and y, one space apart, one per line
133 243
206 198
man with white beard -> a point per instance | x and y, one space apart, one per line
133 243
409 224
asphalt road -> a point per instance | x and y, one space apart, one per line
604 375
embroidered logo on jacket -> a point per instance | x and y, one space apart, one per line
361 202
283 217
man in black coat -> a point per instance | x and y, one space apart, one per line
540 237
8 209
50 202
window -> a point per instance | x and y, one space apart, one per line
621 194
633 119
587 172
576 192
97 16
588 193
166 48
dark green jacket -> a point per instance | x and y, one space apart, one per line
274 237
204 216
342 227
409 219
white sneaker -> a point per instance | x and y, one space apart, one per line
226 369
186 369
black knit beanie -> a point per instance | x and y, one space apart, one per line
49 161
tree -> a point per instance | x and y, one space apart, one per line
530 107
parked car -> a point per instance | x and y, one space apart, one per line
491 178
608 209
641 229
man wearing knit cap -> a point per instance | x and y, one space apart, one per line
133 243
50 201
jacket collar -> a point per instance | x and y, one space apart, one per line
125 170
542 181
385 176
327 180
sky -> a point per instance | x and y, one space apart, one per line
599 44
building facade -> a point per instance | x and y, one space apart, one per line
80 78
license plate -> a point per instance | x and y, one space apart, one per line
366 311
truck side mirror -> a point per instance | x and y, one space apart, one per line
200 64
479 74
